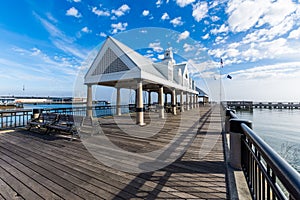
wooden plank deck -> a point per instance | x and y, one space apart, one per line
36 166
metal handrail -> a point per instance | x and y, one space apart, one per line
20 117
264 164
287 175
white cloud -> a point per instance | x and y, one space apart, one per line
156 47
176 21
102 34
244 14
279 70
277 12
121 11
86 30
118 27
183 36
215 18
100 12
200 10
295 34
159 3
222 29
183 3
188 47
165 16
60 40
77 1
36 51
161 56
205 36
145 13
73 12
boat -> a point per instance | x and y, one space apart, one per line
10 103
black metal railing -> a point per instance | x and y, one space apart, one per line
268 175
15 118
19 118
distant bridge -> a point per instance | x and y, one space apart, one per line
269 105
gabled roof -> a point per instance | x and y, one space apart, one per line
201 92
145 64
124 59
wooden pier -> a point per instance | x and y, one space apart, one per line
36 166
269 105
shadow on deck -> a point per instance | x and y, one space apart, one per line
35 166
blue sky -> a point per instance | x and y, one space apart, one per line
44 44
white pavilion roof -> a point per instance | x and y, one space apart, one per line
115 61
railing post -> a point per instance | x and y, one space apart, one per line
235 141
227 118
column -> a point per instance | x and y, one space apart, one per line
166 98
173 102
149 99
161 102
140 105
187 101
118 111
195 100
89 101
191 101
181 102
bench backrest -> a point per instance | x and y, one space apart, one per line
63 119
48 117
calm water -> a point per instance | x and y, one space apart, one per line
280 128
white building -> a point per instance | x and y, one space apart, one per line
117 65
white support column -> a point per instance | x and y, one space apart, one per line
118 101
149 99
89 101
166 98
181 102
191 101
161 102
173 104
140 105
187 101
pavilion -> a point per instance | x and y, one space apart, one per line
117 65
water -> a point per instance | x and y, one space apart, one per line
280 128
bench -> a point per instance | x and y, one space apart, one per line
64 123
42 120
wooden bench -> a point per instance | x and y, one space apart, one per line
42 120
64 123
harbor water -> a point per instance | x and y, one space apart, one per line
280 128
